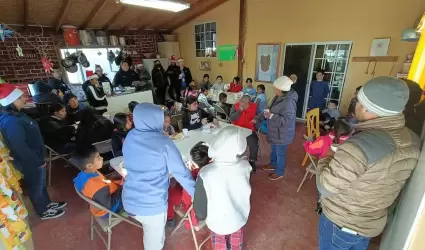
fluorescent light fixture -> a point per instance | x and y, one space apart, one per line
159 4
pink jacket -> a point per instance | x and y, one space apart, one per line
322 144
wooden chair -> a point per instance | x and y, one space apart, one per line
186 217
313 128
104 223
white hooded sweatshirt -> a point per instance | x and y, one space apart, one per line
226 182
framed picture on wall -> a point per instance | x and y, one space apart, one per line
267 63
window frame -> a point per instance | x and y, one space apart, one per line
204 41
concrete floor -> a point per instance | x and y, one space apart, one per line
280 217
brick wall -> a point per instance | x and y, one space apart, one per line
23 70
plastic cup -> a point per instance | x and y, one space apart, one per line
185 132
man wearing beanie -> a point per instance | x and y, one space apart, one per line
362 178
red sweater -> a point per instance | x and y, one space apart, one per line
235 88
246 116
322 144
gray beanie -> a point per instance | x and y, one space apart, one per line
384 96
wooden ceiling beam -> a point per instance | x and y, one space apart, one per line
147 22
25 14
62 14
198 10
93 13
114 18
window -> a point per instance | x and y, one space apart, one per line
206 39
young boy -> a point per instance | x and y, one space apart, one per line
222 193
203 98
222 97
330 115
249 90
171 108
261 99
168 128
206 82
131 106
93 184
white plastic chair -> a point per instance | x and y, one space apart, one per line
220 110
104 223
186 217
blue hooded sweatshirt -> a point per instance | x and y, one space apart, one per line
149 156
22 136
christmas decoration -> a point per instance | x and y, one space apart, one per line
47 64
19 50
5 32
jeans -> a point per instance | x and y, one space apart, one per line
35 181
252 141
153 230
331 237
278 158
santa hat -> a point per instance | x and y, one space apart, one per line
283 83
90 75
180 59
9 94
138 63
173 59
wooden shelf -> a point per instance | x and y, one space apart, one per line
375 59
96 46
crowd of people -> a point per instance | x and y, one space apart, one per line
370 143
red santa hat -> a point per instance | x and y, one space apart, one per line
180 59
9 94
138 63
173 59
90 75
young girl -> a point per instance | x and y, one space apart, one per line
122 126
218 85
191 90
319 147
168 128
236 85
261 99
249 90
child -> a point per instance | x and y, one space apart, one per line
330 115
202 98
168 128
191 90
131 106
93 184
236 85
171 108
261 100
199 158
206 82
222 193
122 126
194 117
222 97
319 90
218 85
249 90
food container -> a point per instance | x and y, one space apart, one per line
70 35
113 40
85 37
101 38
122 40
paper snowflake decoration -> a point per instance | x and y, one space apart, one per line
47 65
5 32
19 50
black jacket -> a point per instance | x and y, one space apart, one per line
117 141
74 115
187 75
159 78
173 72
59 85
96 131
192 119
44 94
56 133
95 96
125 78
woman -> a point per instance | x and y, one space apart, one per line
122 127
280 125
23 138
103 78
125 76
194 117
92 128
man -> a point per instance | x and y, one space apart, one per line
103 78
57 84
94 93
160 82
185 76
242 114
361 180
173 72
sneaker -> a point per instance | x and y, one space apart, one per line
274 177
171 223
269 168
56 205
52 214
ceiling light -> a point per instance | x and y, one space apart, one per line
159 4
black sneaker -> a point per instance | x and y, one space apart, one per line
56 205
52 214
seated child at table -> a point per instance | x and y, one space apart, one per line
249 90
199 158
261 99
168 128
122 126
191 90
330 115
131 106
222 99
172 108
202 98
223 190
92 184
193 117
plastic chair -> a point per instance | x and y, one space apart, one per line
105 223
53 156
311 169
186 216
220 110
313 128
